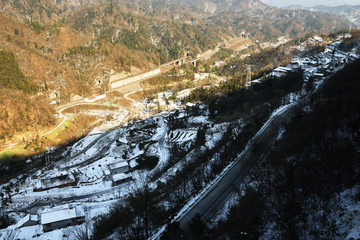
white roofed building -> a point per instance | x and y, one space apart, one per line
62 218
120 178
64 180
28 220
119 167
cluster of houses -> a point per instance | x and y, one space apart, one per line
318 65
61 217
115 172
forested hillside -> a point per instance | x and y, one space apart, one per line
296 189
11 77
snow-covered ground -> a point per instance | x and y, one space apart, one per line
348 218
92 188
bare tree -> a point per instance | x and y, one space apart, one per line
83 231
10 235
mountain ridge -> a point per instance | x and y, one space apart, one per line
350 12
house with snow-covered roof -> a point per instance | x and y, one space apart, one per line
119 167
120 178
282 69
62 218
63 180
28 220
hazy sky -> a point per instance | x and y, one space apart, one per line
309 3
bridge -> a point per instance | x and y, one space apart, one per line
178 62
120 82
116 83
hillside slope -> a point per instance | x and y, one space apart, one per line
350 12
68 48
301 181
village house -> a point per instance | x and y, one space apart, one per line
107 175
119 167
62 218
218 63
280 71
28 220
200 76
120 178
64 180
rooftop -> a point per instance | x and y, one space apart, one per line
57 181
120 176
118 165
56 216
29 217
60 215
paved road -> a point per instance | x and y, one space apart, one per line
214 198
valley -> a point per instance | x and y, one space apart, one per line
92 180
178 120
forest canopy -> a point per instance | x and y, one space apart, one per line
11 77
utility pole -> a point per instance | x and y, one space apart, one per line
61 83
103 82
47 160
59 94
248 76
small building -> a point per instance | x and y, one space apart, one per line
318 39
61 181
294 64
282 69
62 218
52 95
318 74
200 76
119 167
107 175
190 105
121 141
28 220
168 93
218 63
120 178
